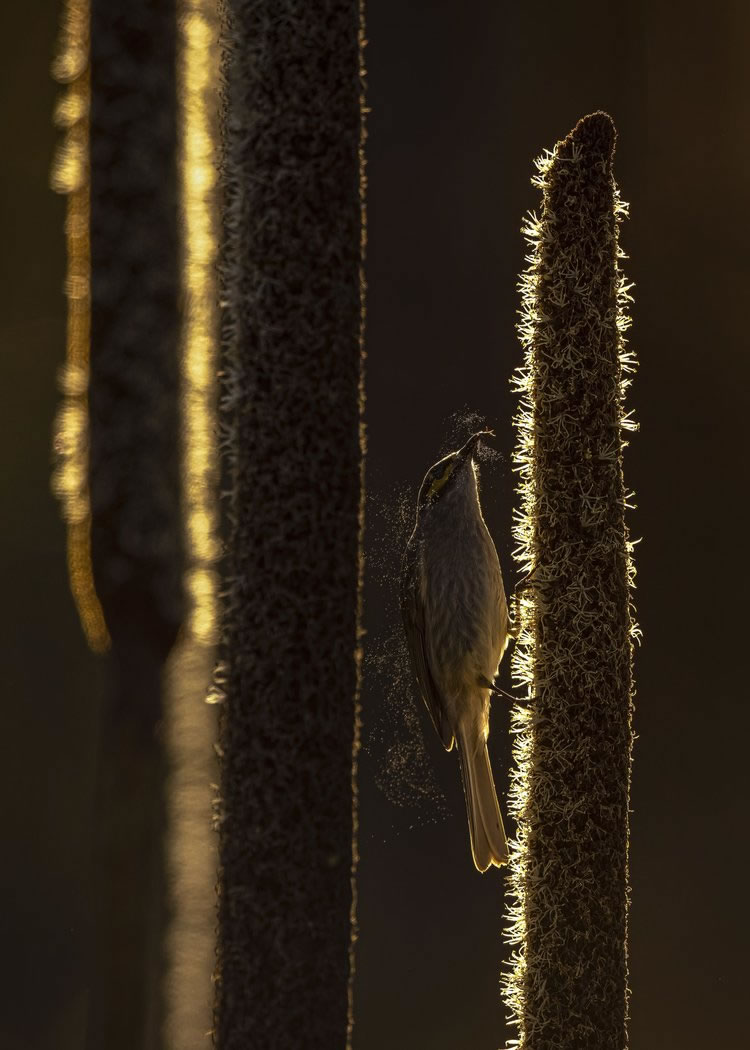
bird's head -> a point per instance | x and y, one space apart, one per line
448 474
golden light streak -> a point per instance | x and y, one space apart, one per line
190 723
70 175
198 75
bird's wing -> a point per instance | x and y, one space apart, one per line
412 612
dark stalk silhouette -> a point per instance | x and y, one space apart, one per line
292 409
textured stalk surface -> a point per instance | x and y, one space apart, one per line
567 989
292 407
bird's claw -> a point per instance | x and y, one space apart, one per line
496 689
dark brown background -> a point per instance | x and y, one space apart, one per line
463 97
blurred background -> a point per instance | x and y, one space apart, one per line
463 98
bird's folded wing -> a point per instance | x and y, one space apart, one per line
412 612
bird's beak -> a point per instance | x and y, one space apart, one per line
468 449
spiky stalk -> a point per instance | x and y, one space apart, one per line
567 988
292 407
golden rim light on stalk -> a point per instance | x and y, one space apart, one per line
190 724
198 71
70 175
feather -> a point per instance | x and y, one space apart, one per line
412 613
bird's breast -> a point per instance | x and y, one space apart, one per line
464 600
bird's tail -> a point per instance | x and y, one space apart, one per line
488 842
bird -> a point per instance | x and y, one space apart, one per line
457 627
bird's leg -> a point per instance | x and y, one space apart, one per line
496 689
514 620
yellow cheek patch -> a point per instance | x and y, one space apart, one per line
439 482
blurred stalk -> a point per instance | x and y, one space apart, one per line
70 175
292 416
570 788
134 472
154 941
